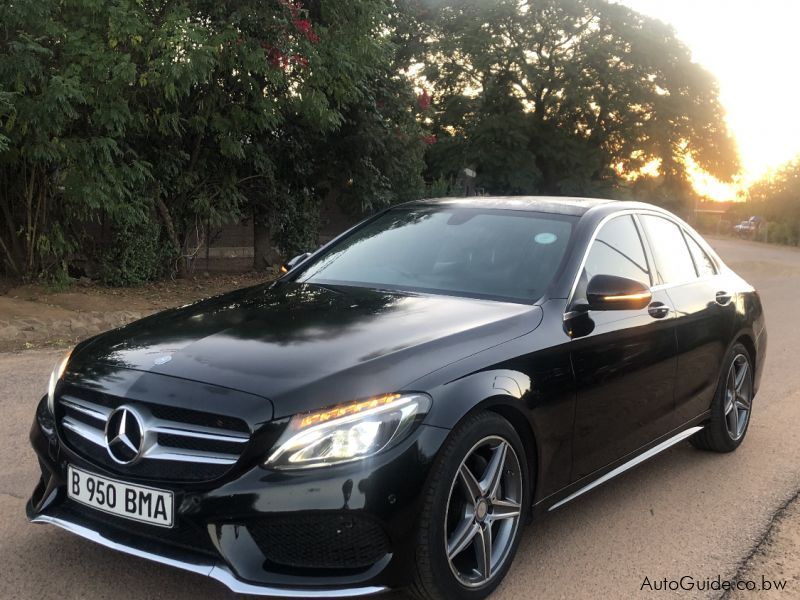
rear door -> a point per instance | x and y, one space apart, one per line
702 312
625 365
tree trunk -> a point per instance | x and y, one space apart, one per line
13 249
9 260
264 255
163 211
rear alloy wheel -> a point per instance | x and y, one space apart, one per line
738 396
474 510
732 405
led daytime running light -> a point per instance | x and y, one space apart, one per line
345 410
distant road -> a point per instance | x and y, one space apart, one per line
682 513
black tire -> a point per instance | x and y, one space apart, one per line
433 577
716 436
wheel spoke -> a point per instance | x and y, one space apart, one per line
731 385
483 551
728 403
462 537
743 403
505 509
490 482
733 422
741 377
472 488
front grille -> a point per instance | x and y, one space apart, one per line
184 535
327 541
194 417
179 443
189 443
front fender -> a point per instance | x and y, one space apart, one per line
531 387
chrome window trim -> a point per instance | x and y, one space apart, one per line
209 568
582 265
682 227
704 246
653 288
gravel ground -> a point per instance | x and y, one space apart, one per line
33 316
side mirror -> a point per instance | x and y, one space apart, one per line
291 264
607 292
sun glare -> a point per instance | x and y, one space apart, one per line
752 51
712 188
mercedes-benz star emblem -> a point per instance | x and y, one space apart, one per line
124 435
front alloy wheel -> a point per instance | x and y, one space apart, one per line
483 511
477 499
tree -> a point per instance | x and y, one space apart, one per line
342 150
126 110
62 157
216 84
375 158
776 197
148 122
595 89
129 128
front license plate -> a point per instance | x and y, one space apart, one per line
137 502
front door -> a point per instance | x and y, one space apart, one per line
625 365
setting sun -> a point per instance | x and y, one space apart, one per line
752 52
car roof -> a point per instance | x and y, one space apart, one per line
564 205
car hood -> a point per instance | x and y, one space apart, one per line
307 346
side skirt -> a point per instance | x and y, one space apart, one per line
636 460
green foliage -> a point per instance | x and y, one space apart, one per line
442 188
163 120
777 199
64 158
567 96
5 114
58 279
784 232
132 111
137 253
376 158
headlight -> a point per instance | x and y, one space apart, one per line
55 376
347 432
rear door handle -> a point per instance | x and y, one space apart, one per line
658 310
723 298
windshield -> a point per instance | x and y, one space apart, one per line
499 254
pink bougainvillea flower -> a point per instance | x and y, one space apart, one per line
424 100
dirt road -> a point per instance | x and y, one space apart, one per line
684 513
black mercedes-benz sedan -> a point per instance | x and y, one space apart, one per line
393 409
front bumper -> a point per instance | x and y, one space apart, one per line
214 569
251 529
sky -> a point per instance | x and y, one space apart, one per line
753 48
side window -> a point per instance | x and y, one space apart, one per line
617 250
674 264
705 266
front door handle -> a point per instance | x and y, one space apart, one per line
658 310
723 298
